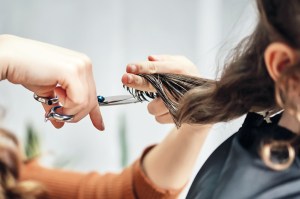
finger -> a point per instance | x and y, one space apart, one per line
74 110
150 67
95 114
137 82
182 64
61 94
164 57
97 119
55 123
81 110
157 107
164 119
47 108
74 117
73 105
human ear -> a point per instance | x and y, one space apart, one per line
277 57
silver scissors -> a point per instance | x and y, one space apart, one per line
117 100
102 101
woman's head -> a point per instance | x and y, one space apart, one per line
282 54
261 62
10 163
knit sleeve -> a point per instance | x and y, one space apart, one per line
145 188
131 183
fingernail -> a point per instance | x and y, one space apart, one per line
132 68
155 57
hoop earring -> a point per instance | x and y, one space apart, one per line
279 149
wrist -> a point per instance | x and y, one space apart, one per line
4 56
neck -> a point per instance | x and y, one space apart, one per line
289 122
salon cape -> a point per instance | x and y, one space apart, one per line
235 170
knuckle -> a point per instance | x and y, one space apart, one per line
139 68
137 80
79 100
140 81
144 82
85 103
82 64
75 69
152 67
87 61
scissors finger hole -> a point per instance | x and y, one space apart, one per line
52 114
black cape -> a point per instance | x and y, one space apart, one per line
235 170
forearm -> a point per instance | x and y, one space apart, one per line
130 183
169 165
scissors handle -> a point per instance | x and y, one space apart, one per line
58 117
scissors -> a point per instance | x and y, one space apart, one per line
102 101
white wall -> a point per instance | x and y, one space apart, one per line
114 33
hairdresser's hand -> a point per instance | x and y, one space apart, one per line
49 70
157 64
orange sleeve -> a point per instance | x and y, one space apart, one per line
129 184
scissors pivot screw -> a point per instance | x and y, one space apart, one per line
100 99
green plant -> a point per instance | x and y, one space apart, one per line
32 143
123 140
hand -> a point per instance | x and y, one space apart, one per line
49 71
157 64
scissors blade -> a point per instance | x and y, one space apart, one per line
118 100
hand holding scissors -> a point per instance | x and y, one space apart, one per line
49 70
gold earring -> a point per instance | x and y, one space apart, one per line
269 151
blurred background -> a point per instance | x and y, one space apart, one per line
114 33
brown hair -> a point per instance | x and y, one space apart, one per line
10 162
245 84
171 88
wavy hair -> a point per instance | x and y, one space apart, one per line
244 84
